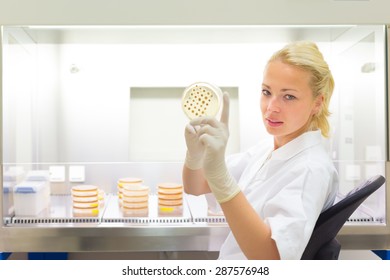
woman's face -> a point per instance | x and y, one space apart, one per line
287 101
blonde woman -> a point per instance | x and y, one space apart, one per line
272 194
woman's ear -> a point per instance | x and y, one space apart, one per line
319 100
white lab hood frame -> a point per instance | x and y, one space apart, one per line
108 237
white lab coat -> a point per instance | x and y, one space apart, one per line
288 187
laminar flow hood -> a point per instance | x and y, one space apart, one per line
93 105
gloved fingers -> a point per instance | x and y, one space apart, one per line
225 109
220 132
205 121
212 127
209 130
194 146
191 130
210 142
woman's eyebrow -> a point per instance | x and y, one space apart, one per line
283 90
264 85
288 89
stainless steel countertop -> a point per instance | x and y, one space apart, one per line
56 230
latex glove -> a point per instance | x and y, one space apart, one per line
195 149
214 135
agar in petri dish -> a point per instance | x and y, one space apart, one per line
201 99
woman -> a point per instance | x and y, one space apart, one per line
272 194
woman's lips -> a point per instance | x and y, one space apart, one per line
274 123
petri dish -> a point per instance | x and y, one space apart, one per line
201 99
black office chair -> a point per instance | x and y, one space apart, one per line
323 244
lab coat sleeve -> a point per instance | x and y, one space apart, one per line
293 211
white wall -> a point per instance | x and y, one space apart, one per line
95 102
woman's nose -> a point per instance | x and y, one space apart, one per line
273 105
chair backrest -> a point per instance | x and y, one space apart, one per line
332 220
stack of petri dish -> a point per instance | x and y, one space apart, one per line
126 181
170 199
135 200
85 201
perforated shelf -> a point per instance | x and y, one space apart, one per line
60 214
194 213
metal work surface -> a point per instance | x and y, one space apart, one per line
58 231
193 231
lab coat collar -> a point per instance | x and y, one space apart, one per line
297 145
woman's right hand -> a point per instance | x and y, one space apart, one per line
195 149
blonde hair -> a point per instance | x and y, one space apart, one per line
306 56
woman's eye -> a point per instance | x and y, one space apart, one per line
289 97
265 92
